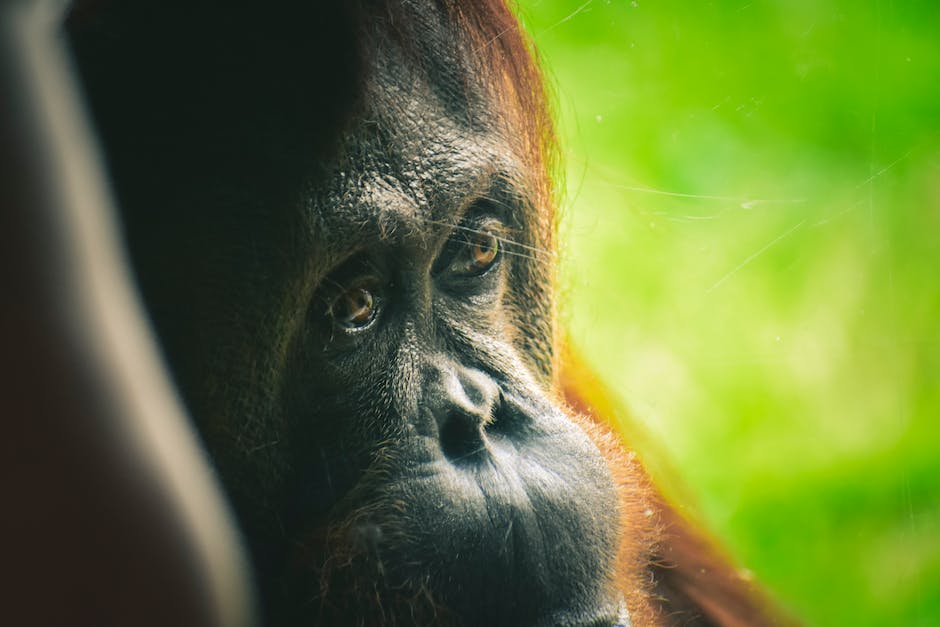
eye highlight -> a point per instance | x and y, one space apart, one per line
355 309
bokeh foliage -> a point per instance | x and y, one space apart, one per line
751 259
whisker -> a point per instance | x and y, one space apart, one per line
527 256
479 449
511 242
491 41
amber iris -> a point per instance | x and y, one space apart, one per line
483 249
355 308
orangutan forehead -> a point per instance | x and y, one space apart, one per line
401 175
442 78
429 137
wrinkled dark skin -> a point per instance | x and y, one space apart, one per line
373 396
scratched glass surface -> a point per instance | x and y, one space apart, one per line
751 257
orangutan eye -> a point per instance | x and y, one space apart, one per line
480 253
355 309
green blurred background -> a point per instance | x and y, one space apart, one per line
750 257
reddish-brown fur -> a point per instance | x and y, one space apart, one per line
670 571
